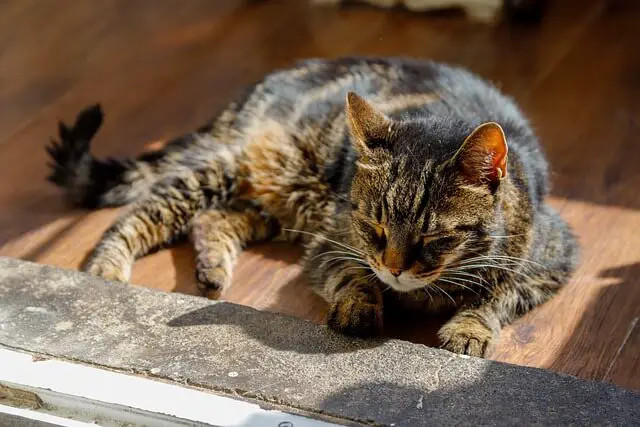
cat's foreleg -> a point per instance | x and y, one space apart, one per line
475 327
219 236
344 279
357 307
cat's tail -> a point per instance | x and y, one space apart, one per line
87 181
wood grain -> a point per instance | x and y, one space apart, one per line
163 68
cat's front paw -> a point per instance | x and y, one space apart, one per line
466 335
107 269
353 316
212 280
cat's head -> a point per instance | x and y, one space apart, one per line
418 207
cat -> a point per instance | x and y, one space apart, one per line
479 10
410 183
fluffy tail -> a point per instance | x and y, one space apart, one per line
89 182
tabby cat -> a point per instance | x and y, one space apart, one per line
408 182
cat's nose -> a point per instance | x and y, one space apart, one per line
395 271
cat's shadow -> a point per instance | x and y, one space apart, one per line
296 298
605 342
279 332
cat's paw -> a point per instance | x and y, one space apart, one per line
212 280
466 335
108 270
355 317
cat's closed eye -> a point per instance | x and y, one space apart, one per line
380 233
439 242
429 237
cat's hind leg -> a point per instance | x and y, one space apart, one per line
158 220
219 236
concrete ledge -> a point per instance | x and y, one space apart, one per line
235 350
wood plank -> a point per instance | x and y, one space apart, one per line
48 49
587 115
625 367
174 97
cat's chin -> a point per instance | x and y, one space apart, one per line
400 284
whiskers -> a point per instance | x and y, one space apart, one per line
455 277
344 258
341 197
509 260
466 274
445 293
344 252
323 237
506 264
454 282
510 236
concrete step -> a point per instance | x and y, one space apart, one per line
283 362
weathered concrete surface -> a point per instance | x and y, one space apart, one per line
16 421
234 349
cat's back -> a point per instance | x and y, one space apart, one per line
314 88
308 101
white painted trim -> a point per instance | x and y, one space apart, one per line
29 414
78 387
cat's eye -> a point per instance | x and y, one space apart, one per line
428 238
439 243
466 228
381 233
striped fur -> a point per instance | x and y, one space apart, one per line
389 189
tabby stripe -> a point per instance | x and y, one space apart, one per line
403 102
423 199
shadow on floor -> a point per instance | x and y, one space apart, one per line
599 346
183 258
35 253
20 218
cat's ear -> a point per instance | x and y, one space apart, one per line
482 159
369 127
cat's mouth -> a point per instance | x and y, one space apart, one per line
406 281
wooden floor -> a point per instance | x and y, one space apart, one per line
163 67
